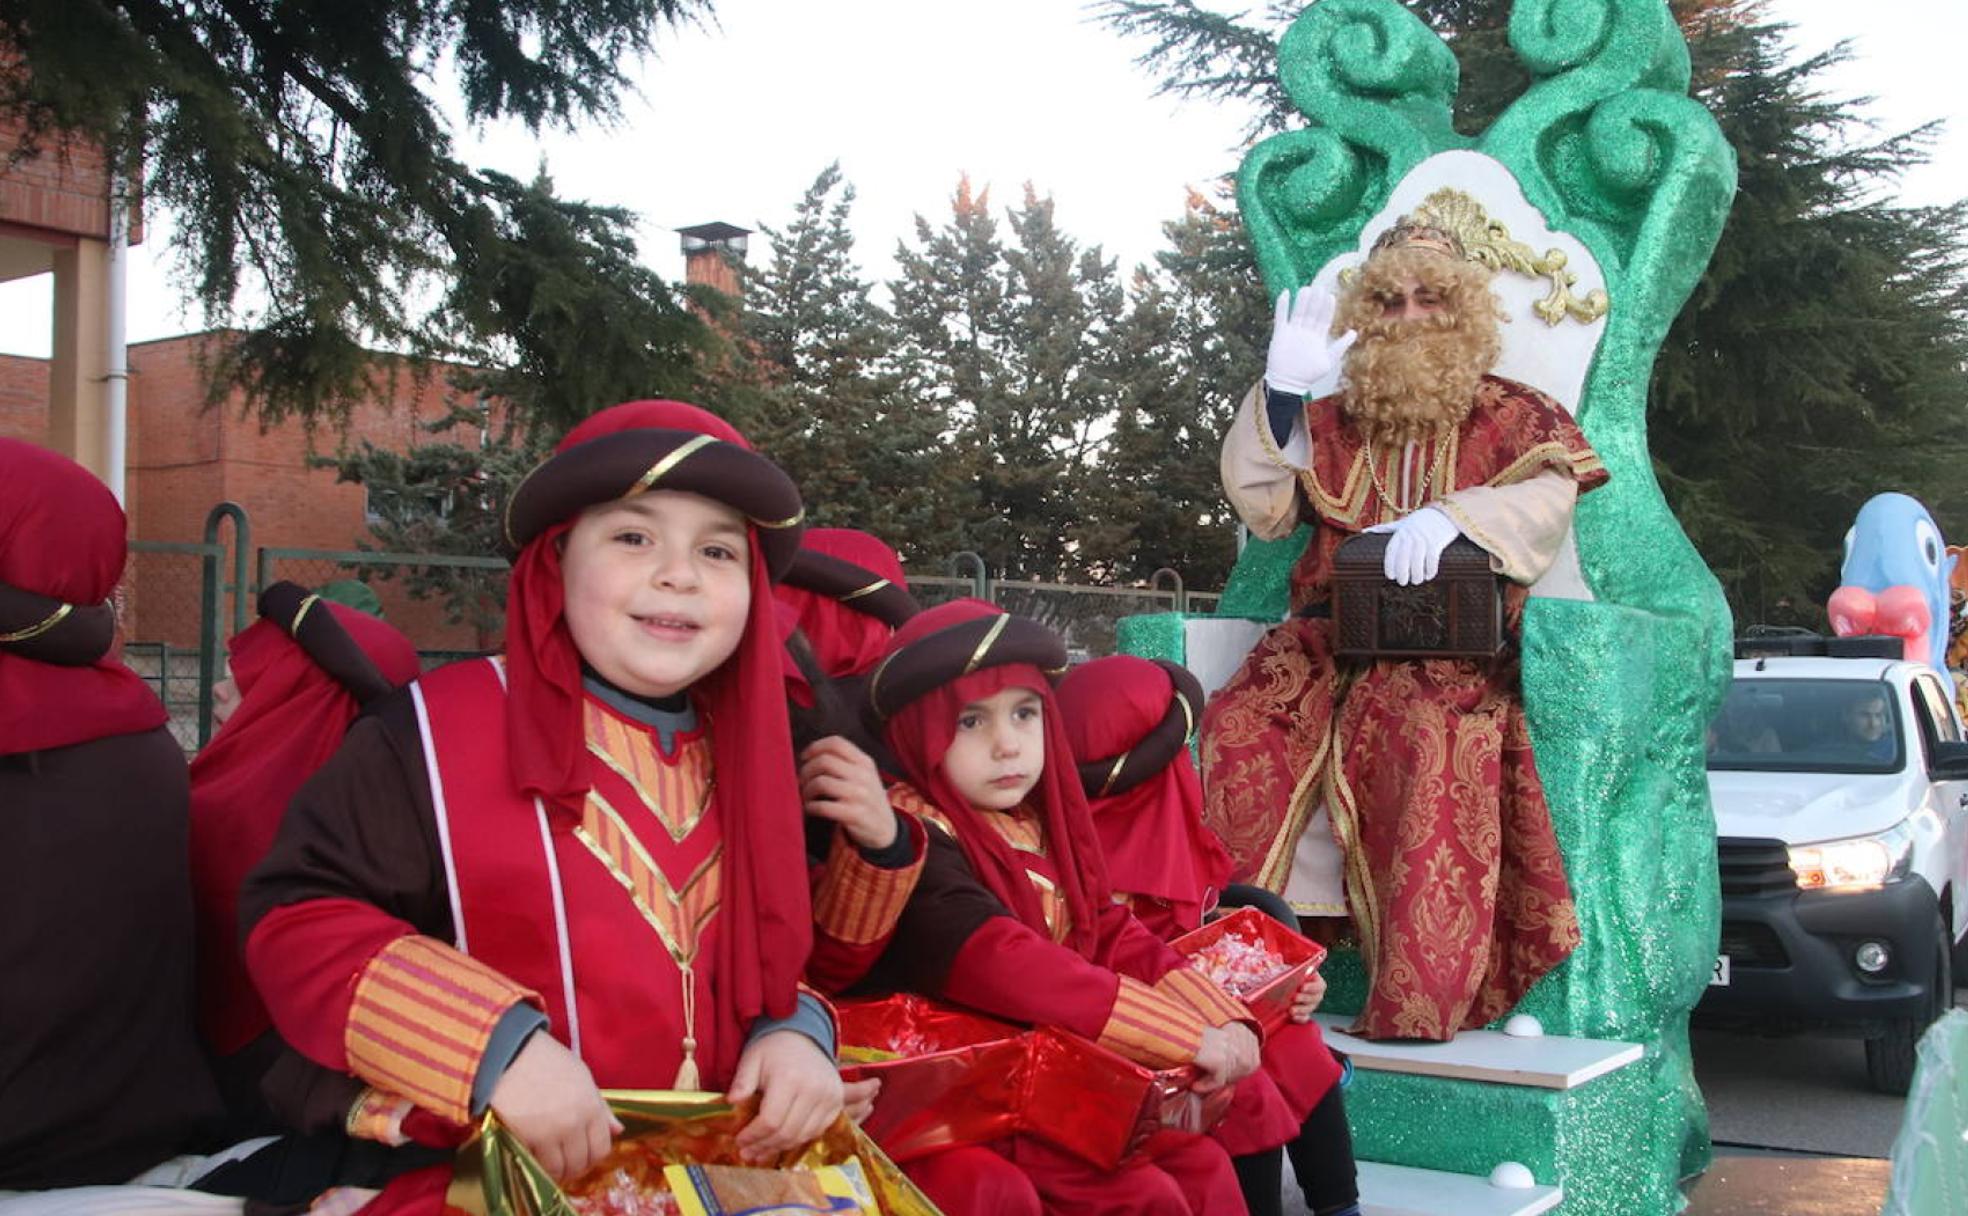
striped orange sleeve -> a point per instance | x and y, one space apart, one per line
1192 988
422 1015
858 902
1151 1028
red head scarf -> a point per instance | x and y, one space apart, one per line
838 591
1151 831
291 717
62 550
766 914
921 727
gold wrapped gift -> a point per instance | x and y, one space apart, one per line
496 1176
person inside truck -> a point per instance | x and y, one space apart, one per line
1742 728
1868 726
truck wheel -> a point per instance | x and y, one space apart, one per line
1890 1057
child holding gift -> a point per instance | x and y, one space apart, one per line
577 864
1012 916
1129 721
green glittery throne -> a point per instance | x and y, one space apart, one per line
1627 658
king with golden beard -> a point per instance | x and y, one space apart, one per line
1441 851
1427 326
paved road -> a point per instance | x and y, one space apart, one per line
1801 1093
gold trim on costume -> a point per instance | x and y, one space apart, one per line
1553 454
1113 774
676 457
1359 876
874 683
984 647
36 630
300 614
1275 873
791 521
870 589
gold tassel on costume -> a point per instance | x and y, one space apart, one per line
686 1077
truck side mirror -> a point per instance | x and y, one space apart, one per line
1949 763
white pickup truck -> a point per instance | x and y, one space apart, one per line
1840 787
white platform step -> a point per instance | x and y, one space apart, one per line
1396 1190
1548 1062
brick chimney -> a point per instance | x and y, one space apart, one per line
711 254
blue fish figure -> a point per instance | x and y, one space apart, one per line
1895 579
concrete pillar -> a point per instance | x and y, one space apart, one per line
78 374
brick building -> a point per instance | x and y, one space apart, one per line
185 457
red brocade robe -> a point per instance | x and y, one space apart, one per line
956 942
1453 875
403 912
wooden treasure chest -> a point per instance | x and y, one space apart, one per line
1456 614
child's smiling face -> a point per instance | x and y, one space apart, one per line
999 749
657 589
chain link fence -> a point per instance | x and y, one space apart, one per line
181 600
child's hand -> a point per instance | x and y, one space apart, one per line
799 1093
1307 998
858 1097
549 1100
1226 1056
341 1201
839 782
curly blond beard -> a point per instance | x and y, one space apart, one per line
1405 378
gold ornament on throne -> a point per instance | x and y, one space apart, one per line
1455 224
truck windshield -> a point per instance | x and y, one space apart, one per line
1819 726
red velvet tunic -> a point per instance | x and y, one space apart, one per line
399 917
1453 875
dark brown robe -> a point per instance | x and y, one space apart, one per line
101 1074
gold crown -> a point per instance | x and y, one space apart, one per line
1411 233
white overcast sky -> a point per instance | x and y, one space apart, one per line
733 122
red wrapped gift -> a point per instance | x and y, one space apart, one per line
1101 1107
1252 956
948 1077
972 1080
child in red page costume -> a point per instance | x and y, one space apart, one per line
1012 916
577 865
1130 721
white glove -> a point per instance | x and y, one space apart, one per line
1414 551
1303 350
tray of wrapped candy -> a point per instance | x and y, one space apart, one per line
972 1080
1252 956
677 1156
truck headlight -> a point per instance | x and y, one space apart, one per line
1858 864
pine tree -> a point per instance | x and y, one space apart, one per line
309 168
1194 338
835 411
1013 344
1819 361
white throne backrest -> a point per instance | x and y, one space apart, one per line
1551 288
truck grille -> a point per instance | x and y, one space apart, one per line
1749 866
1752 945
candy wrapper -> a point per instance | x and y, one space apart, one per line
982 1080
1253 957
495 1175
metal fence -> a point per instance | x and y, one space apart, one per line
186 598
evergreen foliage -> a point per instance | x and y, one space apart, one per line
1821 358
835 408
1013 346
310 170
